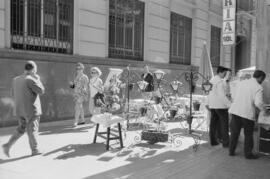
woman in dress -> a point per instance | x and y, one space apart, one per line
95 89
80 93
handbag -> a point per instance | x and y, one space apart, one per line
99 99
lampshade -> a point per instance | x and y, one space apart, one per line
207 86
142 85
175 85
159 74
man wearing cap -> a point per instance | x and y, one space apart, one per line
26 89
80 93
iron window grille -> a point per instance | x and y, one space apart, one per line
180 39
42 25
215 46
126 29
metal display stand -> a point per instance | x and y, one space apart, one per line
133 79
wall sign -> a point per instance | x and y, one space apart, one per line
228 30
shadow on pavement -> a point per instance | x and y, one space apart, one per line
78 150
143 165
65 129
134 152
208 162
14 159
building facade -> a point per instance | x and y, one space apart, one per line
166 34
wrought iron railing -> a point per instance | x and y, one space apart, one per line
42 25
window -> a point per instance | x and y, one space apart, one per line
245 5
180 39
126 29
215 45
42 25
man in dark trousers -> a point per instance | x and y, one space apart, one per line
218 103
26 90
248 96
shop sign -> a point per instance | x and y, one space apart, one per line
228 30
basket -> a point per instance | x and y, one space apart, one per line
154 136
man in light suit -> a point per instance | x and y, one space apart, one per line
26 90
219 105
248 96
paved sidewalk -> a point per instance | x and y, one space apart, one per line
70 154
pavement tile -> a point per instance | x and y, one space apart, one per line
70 153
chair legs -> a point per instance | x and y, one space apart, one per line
120 135
96 133
108 137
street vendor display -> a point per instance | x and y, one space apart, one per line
264 131
111 109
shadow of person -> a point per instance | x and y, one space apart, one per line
64 129
14 159
78 150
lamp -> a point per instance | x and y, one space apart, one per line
159 74
142 85
207 86
175 85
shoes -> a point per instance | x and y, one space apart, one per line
252 156
232 154
36 153
75 125
81 123
214 143
6 149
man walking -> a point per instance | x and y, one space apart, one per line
219 105
26 90
248 96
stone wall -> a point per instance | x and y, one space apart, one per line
57 71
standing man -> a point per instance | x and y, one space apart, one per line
80 86
248 96
26 90
219 105
148 77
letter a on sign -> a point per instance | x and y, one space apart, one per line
228 27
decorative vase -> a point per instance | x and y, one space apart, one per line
196 106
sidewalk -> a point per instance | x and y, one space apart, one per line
70 154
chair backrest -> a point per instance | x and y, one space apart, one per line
158 110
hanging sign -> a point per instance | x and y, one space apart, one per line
228 30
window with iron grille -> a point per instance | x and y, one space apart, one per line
215 46
126 29
42 25
180 39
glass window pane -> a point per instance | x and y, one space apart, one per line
180 46
33 17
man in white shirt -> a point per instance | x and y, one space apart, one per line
218 104
248 96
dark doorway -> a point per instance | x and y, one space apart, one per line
242 53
